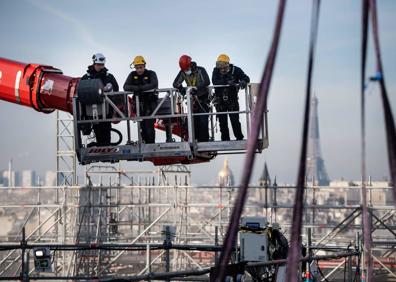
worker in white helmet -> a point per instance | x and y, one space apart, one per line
98 71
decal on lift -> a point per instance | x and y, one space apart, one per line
48 85
103 150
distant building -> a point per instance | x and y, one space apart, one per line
265 179
377 192
226 177
28 178
50 178
316 170
11 180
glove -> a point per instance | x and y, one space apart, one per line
231 83
182 90
194 92
108 87
242 84
216 100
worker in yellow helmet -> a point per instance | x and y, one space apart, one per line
226 98
144 83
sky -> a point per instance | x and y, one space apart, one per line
65 34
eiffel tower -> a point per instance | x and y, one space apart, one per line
316 171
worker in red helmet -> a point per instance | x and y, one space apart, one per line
196 76
144 83
226 98
98 71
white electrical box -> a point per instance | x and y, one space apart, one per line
253 239
42 259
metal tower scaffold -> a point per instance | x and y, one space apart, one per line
65 152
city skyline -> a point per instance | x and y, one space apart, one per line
26 178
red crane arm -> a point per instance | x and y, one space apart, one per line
41 87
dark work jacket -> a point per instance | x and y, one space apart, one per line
106 77
142 83
103 75
280 244
198 78
235 74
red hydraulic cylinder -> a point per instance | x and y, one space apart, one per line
41 87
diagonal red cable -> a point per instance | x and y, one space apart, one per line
260 107
298 209
389 121
365 214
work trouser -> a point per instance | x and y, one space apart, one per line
103 133
229 106
147 125
201 129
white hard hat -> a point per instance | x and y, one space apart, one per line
99 58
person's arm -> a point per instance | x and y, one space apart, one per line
241 76
177 83
128 86
153 82
216 78
206 80
202 86
113 81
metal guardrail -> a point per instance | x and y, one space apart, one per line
181 110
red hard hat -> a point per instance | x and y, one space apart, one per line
185 62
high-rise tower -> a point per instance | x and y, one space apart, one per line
316 171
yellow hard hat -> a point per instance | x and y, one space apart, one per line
223 58
139 60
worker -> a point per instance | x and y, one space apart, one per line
98 71
278 242
144 83
226 98
197 77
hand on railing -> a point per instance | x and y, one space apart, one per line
194 92
108 87
231 83
182 91
243 84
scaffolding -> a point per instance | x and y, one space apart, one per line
136 214
65 151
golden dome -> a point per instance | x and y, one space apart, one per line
226 177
